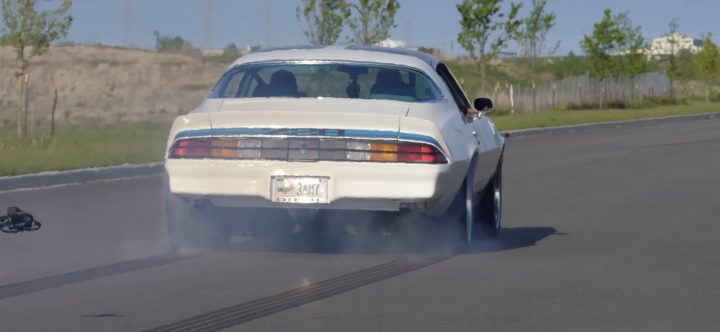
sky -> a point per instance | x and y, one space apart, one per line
429 23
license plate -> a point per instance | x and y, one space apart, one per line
300 189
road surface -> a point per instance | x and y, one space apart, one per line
606 229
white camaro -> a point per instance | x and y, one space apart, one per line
333 128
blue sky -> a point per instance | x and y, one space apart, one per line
420 22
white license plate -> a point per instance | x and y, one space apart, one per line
300 189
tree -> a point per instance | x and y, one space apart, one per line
686 65
607 36
486 30
531 36
616 47
30 32
672 68
324 20
175 44
708 63
373 20
231 52
633 60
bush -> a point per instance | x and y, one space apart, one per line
230 53
176 45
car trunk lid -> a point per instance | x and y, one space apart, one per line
308 117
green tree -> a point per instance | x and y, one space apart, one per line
532 34
607 36
486 30
30 32
175 45
372 21
616 47
708 63
686 65
168 44
231 52
633 60
672 68
324 20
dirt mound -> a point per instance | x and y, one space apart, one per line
108 84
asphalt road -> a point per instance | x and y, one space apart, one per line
606 229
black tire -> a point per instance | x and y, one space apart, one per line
490 206
461 218
478 222
193 228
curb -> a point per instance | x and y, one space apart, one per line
64 178
616 124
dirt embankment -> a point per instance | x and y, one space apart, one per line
107 84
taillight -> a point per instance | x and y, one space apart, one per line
419 153
329 150
191 148
394 152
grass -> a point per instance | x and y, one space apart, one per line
83 146
506 121
92 145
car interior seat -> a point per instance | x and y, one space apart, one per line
388 83
282 84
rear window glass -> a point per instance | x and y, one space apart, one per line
333 80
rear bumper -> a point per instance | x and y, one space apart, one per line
352 185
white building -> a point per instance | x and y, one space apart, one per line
212 52
392 43
663 45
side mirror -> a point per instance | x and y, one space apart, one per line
484 105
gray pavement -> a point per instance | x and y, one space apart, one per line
607 229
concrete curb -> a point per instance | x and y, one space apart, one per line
648 121
63 178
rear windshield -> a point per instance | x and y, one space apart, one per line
302 80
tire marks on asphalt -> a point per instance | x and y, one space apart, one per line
44 283
244 312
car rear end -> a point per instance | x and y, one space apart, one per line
356 158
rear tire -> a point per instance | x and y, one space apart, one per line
490 207
192 228
462 212
477 215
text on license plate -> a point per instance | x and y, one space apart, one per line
300 189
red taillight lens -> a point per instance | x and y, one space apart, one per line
191 148
419 153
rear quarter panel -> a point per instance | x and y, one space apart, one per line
443 121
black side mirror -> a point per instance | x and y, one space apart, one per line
483 104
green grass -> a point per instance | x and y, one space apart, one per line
83 146
506 121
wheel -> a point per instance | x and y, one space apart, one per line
477 215
193 228
462 211
490 207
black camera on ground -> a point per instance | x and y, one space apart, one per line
17 221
